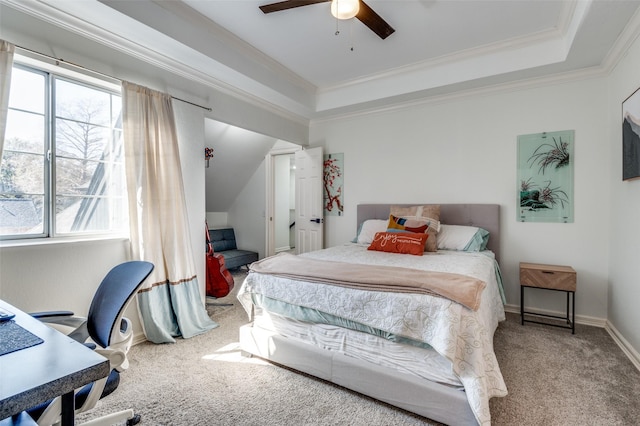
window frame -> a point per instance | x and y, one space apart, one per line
53 72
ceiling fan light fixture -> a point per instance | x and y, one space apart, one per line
345 9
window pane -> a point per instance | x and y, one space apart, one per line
27 91
79 177
78 102
21 215
116 113
25 132
89 214
22 173
78 139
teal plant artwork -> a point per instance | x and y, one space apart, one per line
545 177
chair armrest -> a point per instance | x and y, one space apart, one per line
78 325
65 318
40 315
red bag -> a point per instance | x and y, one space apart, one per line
219 279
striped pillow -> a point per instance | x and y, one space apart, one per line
429 213
423 226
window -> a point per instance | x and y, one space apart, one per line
62 170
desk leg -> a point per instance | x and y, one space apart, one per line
521 305
68 409
573 313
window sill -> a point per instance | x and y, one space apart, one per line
33 242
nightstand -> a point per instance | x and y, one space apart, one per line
549 277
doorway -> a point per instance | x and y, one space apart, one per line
281 199
284 190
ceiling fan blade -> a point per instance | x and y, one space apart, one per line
290 4
371 19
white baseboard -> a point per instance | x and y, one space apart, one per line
626 347
580 319
138 338
628 350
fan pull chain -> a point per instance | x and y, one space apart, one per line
337 20
351 34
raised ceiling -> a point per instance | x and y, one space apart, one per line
294 62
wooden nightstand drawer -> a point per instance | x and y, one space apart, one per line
552 277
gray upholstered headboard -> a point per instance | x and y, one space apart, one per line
485 216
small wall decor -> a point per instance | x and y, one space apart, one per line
631 136
208 154
333 180
545 177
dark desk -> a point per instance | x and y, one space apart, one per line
53 368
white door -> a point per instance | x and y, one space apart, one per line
309 211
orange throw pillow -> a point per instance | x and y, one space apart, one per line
399 242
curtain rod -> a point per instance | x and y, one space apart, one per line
60 60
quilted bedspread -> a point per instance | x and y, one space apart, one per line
463 336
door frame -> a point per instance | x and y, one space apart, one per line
270 248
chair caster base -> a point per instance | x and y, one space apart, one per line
134 420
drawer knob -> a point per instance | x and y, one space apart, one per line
548 272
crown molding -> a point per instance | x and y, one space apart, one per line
624 41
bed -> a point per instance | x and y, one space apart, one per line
433 354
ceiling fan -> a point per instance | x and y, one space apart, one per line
364 13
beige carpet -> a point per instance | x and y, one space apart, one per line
553 378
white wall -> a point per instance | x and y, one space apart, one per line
217 219
464 150
58 276
247 214
624 197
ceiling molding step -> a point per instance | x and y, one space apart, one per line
524 84
469 69
478 52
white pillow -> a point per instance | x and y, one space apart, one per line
369 229
462 238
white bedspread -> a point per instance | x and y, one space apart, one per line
459 334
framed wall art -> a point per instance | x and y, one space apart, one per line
333 181
631 136
545 177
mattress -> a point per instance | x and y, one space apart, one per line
462 338
421 362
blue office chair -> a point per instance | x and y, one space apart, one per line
107 332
